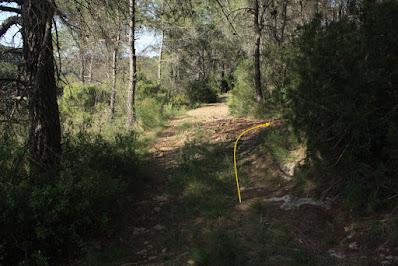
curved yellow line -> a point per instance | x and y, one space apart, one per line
236 144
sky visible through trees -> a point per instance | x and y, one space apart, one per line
147 41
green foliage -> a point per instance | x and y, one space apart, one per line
281 142
77 98
343 99
201 91
44 222
153 109
11 60
115 157
203 171
203 185
200 55
243 103
11 157
8 70
180 100
146 88
152 114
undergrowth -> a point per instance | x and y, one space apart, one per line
203 192
203 188
281 142
43 223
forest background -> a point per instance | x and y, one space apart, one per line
78 107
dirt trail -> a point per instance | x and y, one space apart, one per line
311 228
212 118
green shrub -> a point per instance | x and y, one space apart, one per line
242 101
8 70
344 100
153 113
281 142
115 157
180 100
83 107
55 219
147 88
78 98
46 222
11 157
152 106
201 91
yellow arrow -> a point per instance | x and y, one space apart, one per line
236 144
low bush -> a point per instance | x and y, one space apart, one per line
44 223
281 142
201 91
77 98
152 113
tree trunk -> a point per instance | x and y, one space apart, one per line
301 12
133 68
257 66
340 6
82 70
114 76
90 70
160 54
161 48
44 140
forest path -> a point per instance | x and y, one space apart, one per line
212 118
189 214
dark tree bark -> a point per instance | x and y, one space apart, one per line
133 68
161 44
114 76
257 66
160 53
44 135
10 9
82 67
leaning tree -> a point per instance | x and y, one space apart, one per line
36 18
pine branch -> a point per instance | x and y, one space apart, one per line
10 9
17 51
227 17
19 2
8 23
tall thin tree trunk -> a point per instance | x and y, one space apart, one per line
133 68
160 54
301 12
107 65
340 6
161 48
256 55
82 70
90 70
114 76
44 140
